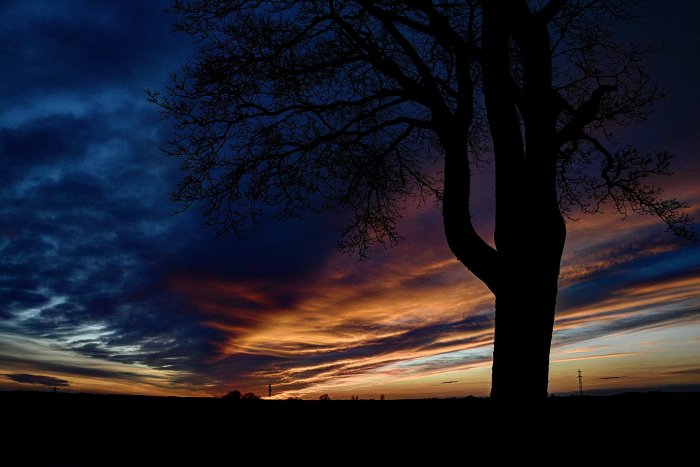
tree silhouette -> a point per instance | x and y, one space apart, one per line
351 106
233 395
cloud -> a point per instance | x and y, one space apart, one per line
39 380
655 304
74 369
60 57
686 371
87 233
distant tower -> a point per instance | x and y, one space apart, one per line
269 390
580 383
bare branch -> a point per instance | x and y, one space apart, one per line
289 106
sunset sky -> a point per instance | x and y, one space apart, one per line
104 289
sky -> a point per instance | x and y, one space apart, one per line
103 288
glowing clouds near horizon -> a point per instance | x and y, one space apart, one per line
410 316
352 322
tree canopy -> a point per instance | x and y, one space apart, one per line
347 105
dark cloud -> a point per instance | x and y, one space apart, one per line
687 371
38 380
56 140
621 320
449 382
423 337
81 46
675 119
329 365
628 264
611 377
68 368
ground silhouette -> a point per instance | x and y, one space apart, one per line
43 428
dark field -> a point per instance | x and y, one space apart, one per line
42 428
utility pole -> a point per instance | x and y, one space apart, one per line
580 383
269 390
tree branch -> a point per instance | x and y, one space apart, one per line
550 10
584 115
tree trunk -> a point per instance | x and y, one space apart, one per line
525 305
524 323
